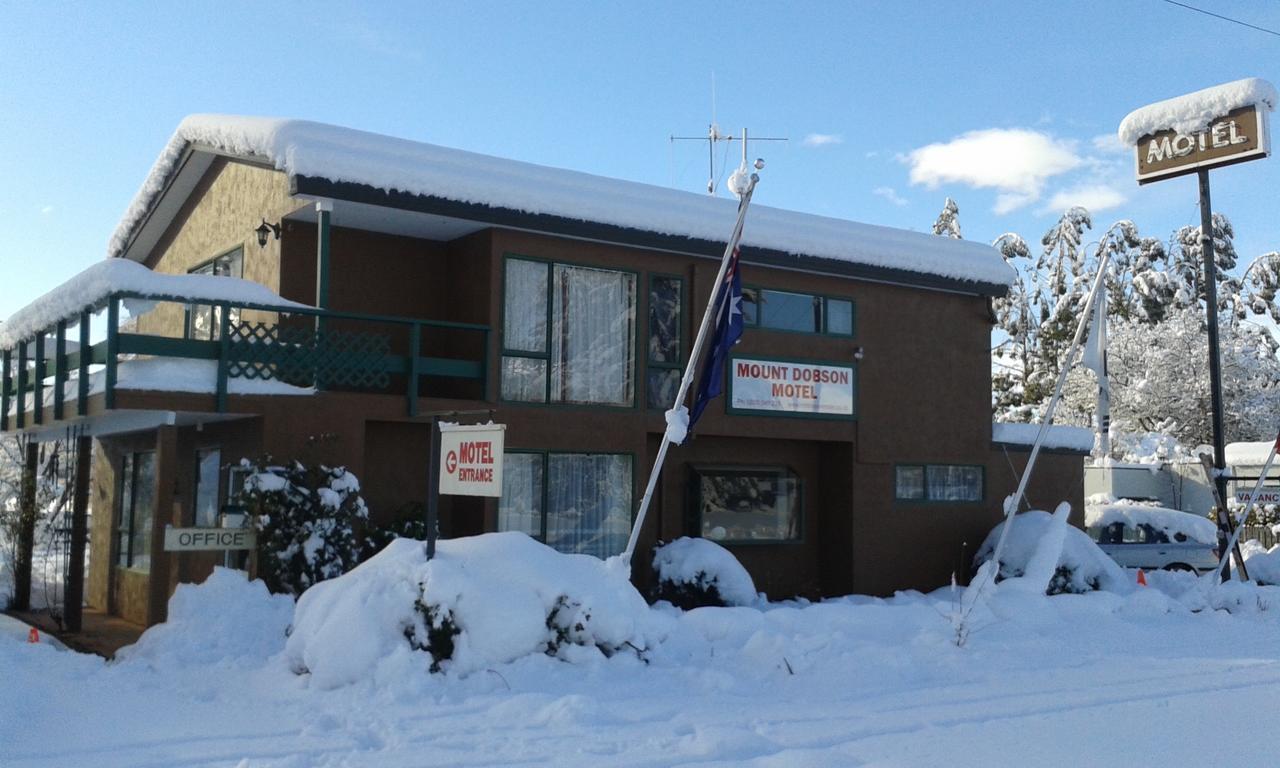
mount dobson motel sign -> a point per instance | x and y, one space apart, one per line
1218 126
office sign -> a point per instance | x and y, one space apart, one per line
800 388
206 539
1239 135
471 459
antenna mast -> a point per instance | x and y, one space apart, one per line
714 135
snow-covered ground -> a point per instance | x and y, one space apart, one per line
1096 679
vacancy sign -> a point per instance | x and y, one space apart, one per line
1265 496
790 387
471 459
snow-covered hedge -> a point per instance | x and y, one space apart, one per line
482 601
1178 526
692 573
1263 564
225 618
306 519
1082 566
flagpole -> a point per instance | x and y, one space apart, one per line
690 366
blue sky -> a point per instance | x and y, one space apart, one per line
91 93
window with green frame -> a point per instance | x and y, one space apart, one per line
568 334
574 502
137 510
939 482
666 312
797 312
203 320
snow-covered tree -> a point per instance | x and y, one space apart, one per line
1160 381
1062 288
948 223
1015 373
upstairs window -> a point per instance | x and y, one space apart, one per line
204 320
666 299
797 312
568 334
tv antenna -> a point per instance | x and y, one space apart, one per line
714 135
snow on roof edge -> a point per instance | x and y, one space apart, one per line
304 148
1192 112
1248 454
88 288
1060 437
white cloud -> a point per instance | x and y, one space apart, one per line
48 209
1092 197
1110 144
1016 162
889 194
822 140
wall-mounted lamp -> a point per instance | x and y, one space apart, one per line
265 229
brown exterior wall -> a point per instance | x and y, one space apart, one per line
922 396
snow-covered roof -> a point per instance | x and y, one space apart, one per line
1248 454
1193 112
1060 437
91 287
1171 521
316 150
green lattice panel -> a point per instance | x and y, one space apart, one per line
301 356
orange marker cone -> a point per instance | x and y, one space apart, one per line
33 636
1142 578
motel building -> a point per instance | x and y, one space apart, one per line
317 293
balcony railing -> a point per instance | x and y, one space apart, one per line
301 346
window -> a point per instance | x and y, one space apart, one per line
798 312
203 320
575 502
747 504
569 334
205 507
938 482
137 509
665 305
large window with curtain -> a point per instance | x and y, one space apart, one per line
574 502
137 510
568 334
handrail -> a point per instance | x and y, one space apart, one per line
23 373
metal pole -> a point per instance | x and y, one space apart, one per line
433 489
1215 366
74 597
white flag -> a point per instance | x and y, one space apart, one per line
1095 348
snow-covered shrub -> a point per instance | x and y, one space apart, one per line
693 573
306 518
1263 564
1082 566
409 523
225 618
483 600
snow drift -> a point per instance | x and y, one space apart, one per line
482 601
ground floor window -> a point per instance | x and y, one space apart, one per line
208 468
137 496
747 504
938 482
575 502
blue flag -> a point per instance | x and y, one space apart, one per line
728 329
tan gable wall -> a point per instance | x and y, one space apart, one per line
222 213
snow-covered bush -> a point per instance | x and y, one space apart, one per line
1263 564
225 618
1082 566
693 573
409 523
306 519
483 600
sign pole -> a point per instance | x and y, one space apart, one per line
1215 365
433 489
